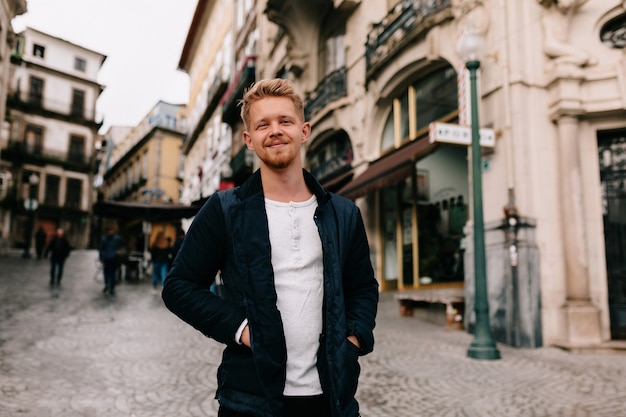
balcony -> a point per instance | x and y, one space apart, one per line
20 153
331 89
213 96
54 109
407 21
245 76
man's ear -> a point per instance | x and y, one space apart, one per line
248 140
306 131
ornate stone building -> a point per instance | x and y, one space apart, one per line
376 76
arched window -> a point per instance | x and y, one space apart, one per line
428 99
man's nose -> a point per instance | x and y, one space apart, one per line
275 128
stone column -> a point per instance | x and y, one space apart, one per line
581 317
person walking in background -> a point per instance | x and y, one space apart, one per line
40 242
176 247
160 253
109 254
299 296
59 249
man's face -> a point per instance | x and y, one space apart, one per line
275 132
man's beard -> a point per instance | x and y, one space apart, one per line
279 161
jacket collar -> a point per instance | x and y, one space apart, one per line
252 186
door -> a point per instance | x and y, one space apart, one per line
612 154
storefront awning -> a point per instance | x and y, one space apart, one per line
142 211
388 169
335 182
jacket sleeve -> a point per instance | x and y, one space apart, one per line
187 290
360 285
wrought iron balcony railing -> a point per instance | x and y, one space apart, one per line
332 88
404 23
21 152
37 103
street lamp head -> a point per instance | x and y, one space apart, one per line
472 46
33 179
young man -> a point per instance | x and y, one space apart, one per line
299 296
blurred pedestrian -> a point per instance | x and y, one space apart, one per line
59 249
40 241
109 250
160 256
176 247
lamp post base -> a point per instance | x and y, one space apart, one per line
481 350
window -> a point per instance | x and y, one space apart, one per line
332 55
74 193
435 96
51 196
34 140
80 64
77 149
78 103
427 100
39 50
35 94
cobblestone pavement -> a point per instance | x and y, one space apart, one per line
73 351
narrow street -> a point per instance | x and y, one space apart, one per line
72 351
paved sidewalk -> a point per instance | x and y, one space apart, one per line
73 351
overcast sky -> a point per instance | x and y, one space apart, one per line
142 39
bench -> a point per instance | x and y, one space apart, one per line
452 298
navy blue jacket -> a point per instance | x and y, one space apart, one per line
230 234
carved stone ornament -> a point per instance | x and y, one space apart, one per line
556 21
471 15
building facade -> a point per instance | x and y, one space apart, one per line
207 58
143 166
9 9
380 77
52 131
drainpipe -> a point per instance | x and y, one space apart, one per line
506 92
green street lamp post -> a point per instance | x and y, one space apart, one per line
471 47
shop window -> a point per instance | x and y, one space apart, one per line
422 221
389 211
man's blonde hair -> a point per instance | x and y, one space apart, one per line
277 87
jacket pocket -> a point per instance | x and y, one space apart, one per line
352 372
237 371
